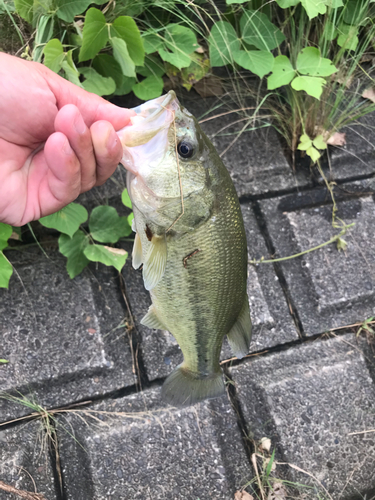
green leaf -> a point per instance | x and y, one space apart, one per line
180 39
96 83
125 198
5 233
330 31
335 4
258 30
284 4
121 54
310 63
305 142
355 12
54 55
115 257
126 86
71 72
107 66
282 73
130 219
312 85
68 9
348 36
67 220
259 62
149 88
73 249
179 44
223 40
314 7
152 42
25 9
95 34
152 66
313 153
124 27
179 60
231 2
319 142
4 361
44 32
6 271
107 226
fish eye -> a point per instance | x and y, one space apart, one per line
185 149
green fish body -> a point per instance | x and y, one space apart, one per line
191 241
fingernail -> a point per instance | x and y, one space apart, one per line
79 124
112 140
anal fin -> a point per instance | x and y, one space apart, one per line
155 261
137 252
151 320
239 336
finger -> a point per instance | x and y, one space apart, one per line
91 106
108 150
62 184
70 122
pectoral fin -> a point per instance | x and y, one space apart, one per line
155 261
151 320
239 336
137 252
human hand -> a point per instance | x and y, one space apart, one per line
77 129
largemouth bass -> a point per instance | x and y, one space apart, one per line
191 241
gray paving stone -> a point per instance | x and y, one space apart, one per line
154 453
24 461
60 335
357 157
329 288
308 400
272 323
256 161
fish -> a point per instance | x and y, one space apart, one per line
191 241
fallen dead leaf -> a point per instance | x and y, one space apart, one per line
337 139
243 495
116 251
14 236
265 444
209 86
369 94
278 492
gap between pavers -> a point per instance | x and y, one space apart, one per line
153 452
308 400
25 462
329 288
63 338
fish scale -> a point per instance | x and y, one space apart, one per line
195 266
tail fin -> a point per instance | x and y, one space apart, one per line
184 387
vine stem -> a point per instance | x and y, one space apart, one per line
332 240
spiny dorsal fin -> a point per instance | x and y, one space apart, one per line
155 261
239 336
151 320
137 258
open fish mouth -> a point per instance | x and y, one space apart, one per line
151 118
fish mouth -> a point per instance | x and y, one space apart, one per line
151 117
